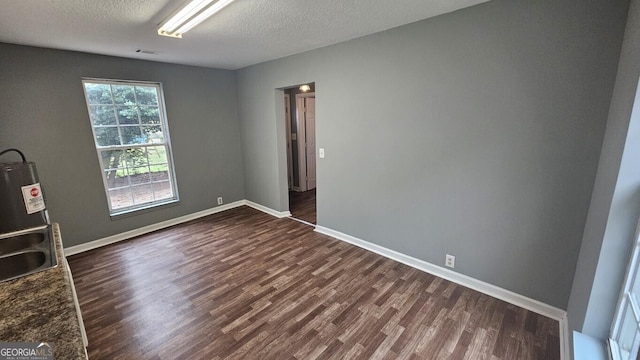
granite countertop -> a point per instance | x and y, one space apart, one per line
40 308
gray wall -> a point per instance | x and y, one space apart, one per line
43 113
476 133
615 205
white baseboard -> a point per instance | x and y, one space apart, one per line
278 214
464 280
72 250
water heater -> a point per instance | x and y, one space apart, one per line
22 204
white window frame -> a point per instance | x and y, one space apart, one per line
627 298
166 143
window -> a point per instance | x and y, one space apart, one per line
625 331
132 140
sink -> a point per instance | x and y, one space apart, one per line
22 263
20 242
26 252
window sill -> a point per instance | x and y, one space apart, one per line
587 348
144 210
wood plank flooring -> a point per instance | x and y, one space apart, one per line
303 205
244 285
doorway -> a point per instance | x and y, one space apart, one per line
306 116
300 122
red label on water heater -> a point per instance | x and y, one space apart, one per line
33 200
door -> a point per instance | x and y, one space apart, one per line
287 119
306 135
310 126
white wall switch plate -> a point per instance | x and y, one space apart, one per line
321 153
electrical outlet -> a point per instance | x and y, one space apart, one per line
220 201
450 261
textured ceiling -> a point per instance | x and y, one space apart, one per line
244 33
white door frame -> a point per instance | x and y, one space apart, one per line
301 134
287 118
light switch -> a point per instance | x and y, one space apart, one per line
321 153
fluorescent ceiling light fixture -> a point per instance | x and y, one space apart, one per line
192 14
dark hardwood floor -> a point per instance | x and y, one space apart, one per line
244 285
303 205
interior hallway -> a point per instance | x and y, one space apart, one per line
303 205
